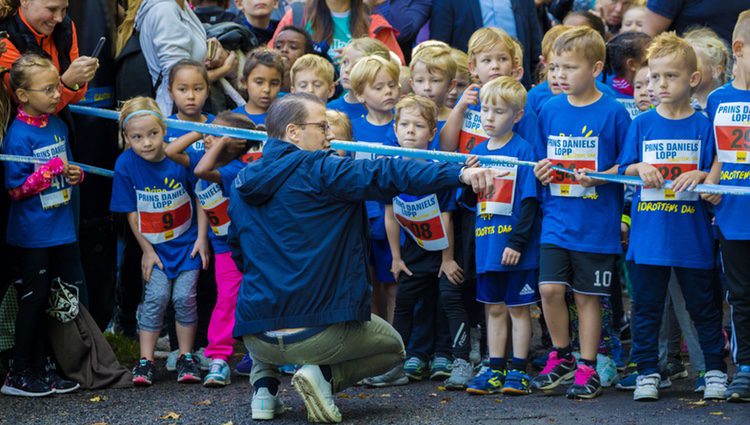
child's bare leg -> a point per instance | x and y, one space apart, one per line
185 337
148 343
497 329
521 319
556 313
589 324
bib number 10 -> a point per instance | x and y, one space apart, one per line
603 279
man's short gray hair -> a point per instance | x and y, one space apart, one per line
290 109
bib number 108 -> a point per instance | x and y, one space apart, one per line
603 279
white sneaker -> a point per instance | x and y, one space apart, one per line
317 394
647 387
265 405
716 385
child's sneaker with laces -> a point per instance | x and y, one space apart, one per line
739 389
487 381
700 382
188 370
517 382
394 377
440 368
25 383
416 369
462 373
586 384
647 387
143 373
58 384
265 406
555 372
244 366
218 374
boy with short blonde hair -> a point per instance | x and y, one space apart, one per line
671 228
507 243
583 130
725 107
463 77
313 74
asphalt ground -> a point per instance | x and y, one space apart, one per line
167 402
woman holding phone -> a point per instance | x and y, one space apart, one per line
168 32
42 27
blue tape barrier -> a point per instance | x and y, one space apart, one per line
31 160
489 160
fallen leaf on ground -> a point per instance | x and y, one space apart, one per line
171 415
441 388
97 399
100 423
698 403
362 396
203 403
384 395
228 423
342 395
716 413
433 395
497 400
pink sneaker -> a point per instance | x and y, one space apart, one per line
586 384
555 372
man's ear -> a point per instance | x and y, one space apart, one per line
293 132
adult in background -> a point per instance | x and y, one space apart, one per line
168 32
299 219
678 15
454 21
333 24
42 27
406 16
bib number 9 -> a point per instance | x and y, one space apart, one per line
741 138
168 221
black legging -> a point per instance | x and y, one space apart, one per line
38 267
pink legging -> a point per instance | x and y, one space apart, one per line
228 278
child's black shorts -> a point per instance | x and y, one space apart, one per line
584 272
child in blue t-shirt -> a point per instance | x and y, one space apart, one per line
625 53
263 75
188 87
671 228
374 82
728 108
41 226
357 49
422 251
583 131
507 242
157 195
216 168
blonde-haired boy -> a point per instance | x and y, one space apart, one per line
433 75
463 77
507 262
726 107
582 130
671 142
313 74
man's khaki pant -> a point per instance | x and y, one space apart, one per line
353 350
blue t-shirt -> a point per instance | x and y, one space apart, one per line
541 93
493 230
172 133
670 229
364 131
719 16
351 110
427 230
257 119
162 194
392 140
45 219
214 199
591 136
729 111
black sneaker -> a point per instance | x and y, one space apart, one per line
555 372
25 384
143 373
586 384
676 369
188 370
55 381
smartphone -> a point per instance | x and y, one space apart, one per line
99 46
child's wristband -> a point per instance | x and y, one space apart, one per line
626 220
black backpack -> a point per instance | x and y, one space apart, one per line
132 77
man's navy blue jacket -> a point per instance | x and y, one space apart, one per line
301 226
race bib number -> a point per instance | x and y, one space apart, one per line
572 153
422 222
198 145
732 132
671 158
472 133
500 200
631 106
215 205
58 193
163 216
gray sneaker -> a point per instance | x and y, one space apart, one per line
265 405
716 385
393 377
461 374
317 394
739 389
